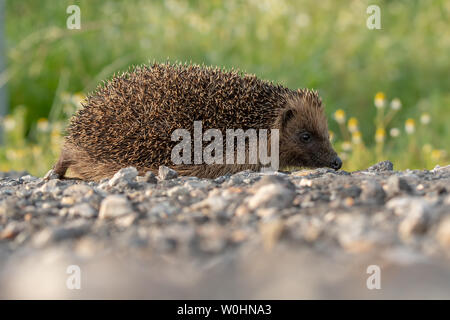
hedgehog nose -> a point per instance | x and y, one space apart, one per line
337 163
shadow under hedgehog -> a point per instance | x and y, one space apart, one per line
129 120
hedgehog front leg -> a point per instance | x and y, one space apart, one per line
60 168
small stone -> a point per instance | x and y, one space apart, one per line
312 232
403 205
438 168
114 206
83 210
27 179
221 179
42 237
68 201
242 211
396 185
416 220
149 177
197 184
274 179
382 166
126 220
177 191
305 183
302 173
123 176
271 196
266 213
349 202
213 203
162 209
51 186
372 191
78 191
165 173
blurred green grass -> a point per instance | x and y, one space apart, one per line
323 45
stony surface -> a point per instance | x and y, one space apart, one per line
305 234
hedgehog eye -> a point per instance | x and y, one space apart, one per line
306 137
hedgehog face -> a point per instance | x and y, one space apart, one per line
304 138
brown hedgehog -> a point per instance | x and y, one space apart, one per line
129 121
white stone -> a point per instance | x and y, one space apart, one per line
114 206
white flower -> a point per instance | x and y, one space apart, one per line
346 146
396 104
352 125
43 125
380 135
410 126
356 137
394 132
9 123
380 100
339 116
425 118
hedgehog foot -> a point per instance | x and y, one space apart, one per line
51 175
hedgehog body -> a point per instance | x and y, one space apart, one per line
129 120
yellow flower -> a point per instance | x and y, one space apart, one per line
425 118
380 135
436 154
352 125
380 100
339 116
356 137
394 132
396 104
410 126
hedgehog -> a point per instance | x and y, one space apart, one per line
128 121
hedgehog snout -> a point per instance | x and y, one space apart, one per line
336 164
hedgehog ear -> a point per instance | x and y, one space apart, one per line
286 115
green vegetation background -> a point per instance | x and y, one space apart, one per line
315 44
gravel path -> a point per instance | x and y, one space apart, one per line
307 234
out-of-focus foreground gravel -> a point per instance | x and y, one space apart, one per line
307 234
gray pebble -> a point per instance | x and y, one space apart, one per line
124 176
83 210
382 166
149 177
272 195
166 173
114 206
